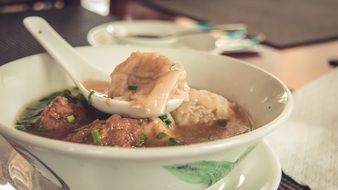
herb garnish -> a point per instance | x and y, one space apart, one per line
20 127
161 135
70 118
33 113
132 87
165 119
80 97
143 139
91 93
42 128
176 141
66 93
96 136
221 122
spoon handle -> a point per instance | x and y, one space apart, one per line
76 66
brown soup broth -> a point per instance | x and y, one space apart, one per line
67 115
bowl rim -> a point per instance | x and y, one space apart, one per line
150 153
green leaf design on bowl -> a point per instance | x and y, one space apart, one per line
205 172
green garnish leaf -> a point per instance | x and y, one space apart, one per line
132 87
31 108
68 94
161 135
82 98
42 128
96 136
176 141
143 139
221 122
20 127
20 123
51 97
91 93
30 126
31 115
71 118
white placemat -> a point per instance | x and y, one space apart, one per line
307 143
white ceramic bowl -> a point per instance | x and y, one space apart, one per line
182 167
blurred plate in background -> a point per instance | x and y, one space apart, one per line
215 42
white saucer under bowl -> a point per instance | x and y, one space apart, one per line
262 171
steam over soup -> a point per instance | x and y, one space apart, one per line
148 80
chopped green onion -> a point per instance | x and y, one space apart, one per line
221 122
143 139
167 122
161 135
96 136
165 119
132 87
176 141
42 128
91 93
71 118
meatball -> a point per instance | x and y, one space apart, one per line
115 131
61 115
208 116
204 108
122 132
149 80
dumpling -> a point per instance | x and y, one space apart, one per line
149 80
203 108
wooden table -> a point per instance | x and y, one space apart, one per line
299 65
295 66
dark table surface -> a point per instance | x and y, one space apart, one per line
71 22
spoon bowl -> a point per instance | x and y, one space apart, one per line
80 70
